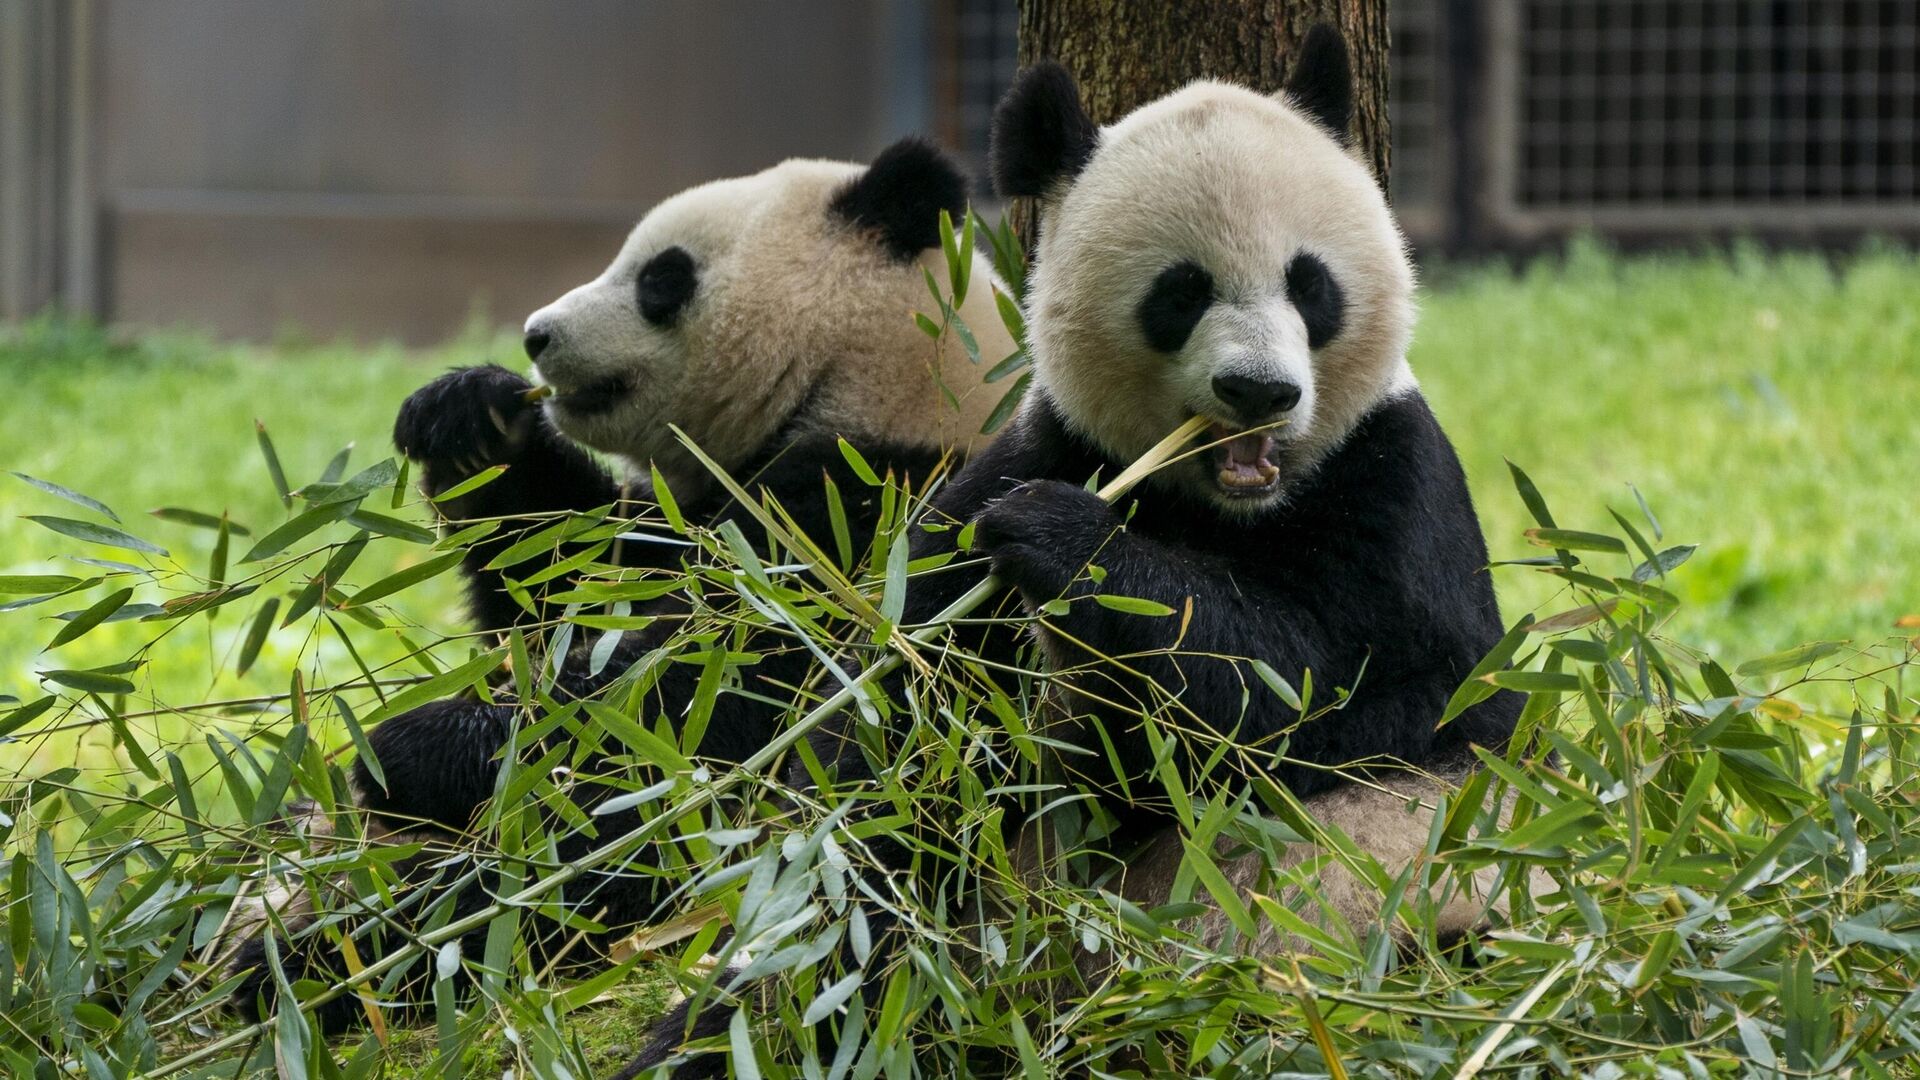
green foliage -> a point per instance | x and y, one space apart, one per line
1703 860
1763 403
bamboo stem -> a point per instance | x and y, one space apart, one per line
1168 449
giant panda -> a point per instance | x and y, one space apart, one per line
768 317
1218 253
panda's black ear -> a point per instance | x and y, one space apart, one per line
900 196
1321 82
1041 133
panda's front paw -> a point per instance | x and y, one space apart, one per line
1041 534
467 420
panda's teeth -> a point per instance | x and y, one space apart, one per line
1242 459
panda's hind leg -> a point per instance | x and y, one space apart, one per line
308 950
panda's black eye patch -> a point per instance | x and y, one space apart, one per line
1173 306
1317 297
665 285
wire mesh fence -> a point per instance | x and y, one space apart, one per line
1624 116
1680 114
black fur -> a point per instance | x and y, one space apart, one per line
471 419
679 1027
1316 294
1174 305
665 284
1041 133
441 761
1372 575
1321 80
900 196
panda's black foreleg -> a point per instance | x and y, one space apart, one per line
1119 662
426 896
470 420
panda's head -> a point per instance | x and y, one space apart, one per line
778 303
1217 252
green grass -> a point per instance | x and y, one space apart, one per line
167 420
1765 407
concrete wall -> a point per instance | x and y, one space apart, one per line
380 167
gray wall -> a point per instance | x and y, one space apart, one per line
376 167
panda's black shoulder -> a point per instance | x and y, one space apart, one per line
796 472
1036 444
1396 470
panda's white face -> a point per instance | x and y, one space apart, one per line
621 352
1220 255
735 306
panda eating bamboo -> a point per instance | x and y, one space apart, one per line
1222 254
768 317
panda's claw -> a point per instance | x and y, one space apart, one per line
1041 533
466 420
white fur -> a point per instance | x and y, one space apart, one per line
1389 820
1239 183
791 301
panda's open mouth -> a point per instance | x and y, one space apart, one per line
594 397
1241 461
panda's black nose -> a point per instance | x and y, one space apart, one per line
537 341
1255 399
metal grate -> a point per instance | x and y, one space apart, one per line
987 33
1688 113
1416 108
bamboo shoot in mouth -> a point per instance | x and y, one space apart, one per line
537 393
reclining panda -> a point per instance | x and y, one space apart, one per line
768 317
1217 253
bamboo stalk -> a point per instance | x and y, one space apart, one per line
1162 453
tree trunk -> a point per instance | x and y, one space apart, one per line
1125 53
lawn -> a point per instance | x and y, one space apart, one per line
1763 406
167 420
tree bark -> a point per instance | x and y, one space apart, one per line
1125 53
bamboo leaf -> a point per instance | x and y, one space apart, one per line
96 534
364 483
1132 605
274 471
406 578
295 528
464 677
1800 656
25 714
180 515
472 483
36 584
828 1001
256 635
859 464
95 615
92 680
1008 403
1535 682
1574 540
71 496
390 526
